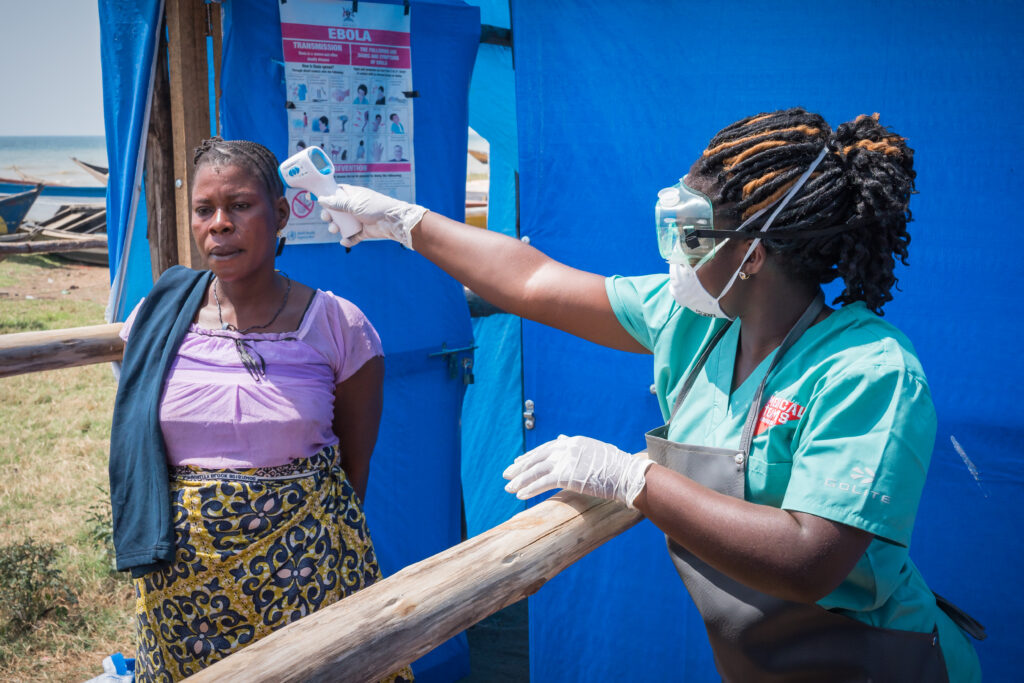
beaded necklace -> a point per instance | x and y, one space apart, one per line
251 359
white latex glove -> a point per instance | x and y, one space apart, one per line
382 216
579 464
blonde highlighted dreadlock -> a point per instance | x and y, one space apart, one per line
865 183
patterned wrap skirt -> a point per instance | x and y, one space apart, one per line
256 549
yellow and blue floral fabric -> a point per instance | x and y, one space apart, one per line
256 549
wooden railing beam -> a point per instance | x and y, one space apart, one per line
35 351
394 622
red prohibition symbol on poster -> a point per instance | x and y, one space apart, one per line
302 204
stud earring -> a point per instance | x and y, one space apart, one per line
744 276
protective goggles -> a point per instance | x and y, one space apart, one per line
686 225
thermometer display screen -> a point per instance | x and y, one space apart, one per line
320 160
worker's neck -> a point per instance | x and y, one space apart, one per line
770 309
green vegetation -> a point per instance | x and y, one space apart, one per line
41 314
33 586
55 556
18 269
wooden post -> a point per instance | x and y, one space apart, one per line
162 231
213 27
390 624
34 351
190 108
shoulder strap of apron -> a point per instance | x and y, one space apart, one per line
795 332
692 377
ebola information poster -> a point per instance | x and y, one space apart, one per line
347 75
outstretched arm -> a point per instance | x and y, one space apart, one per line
501 269
521 280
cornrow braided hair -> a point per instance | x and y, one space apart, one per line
865 183
245 153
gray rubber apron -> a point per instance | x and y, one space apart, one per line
757 637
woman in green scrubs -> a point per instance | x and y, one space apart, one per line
797 439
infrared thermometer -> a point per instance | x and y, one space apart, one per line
311 170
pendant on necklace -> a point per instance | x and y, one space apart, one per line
224 326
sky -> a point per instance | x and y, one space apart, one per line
50 52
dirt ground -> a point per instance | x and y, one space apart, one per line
57 279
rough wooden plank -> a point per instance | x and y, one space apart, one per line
85 221
394 622
70 236
34 351
65 219
50 246
190 109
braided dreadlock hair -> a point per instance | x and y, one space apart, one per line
249 155
864 183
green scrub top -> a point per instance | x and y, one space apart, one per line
846 433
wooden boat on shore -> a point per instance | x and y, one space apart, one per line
77 223
17 185
100 173
73 225
78 232
15 206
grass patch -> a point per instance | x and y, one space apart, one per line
53 489
53 492
19 269
20 315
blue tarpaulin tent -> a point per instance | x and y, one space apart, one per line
594 108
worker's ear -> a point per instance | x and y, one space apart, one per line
755 262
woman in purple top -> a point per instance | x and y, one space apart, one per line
269 413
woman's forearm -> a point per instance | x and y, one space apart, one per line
792 555
522 280
357 471
358 403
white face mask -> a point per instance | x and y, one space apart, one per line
688 291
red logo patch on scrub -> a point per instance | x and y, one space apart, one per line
776 412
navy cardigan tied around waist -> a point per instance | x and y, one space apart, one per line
139 486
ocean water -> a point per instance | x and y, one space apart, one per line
49 159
